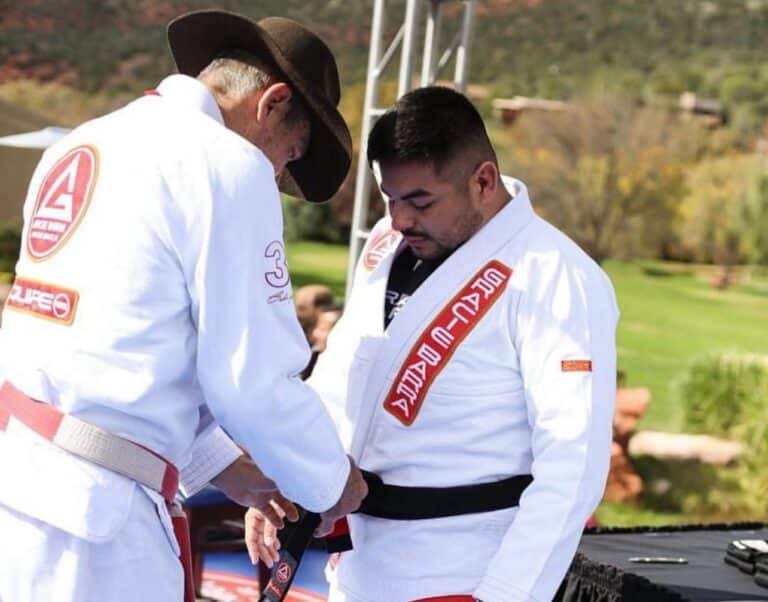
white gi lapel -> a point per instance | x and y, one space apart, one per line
360 334
431 297
371 277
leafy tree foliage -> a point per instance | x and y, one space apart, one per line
600 167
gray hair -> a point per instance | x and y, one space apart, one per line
235 73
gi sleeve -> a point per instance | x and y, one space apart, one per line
212 451
565 340
250 346
330 374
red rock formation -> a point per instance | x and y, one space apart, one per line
623 481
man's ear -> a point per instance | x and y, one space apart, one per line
485 180
273 101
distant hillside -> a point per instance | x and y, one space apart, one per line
94 55
15 119
113 44
545 47
73 59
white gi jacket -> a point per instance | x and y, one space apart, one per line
530 390
172 305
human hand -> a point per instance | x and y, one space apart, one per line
354 491
261 538
244 483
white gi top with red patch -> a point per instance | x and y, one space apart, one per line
529 389
153 300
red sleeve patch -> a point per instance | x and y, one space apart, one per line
43 300
576 365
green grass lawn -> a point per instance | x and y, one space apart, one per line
669 315
318 263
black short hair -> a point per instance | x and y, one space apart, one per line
433 125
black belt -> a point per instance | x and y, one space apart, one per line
396 503
417 503
294 538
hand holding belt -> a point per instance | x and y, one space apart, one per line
294 539
395 503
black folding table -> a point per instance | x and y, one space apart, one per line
603 572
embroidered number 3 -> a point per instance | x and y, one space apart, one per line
278 276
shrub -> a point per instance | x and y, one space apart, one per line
308 221
754 220
10 241
741 88
726 395
723 391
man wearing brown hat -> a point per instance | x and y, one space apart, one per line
152 303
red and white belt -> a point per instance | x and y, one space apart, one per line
110 451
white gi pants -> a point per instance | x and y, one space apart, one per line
336 595
40 563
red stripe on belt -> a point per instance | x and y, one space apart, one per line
449 598
42 418
45 420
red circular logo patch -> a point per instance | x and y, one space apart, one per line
61 202
377 247
283 573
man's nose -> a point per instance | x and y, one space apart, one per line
402 215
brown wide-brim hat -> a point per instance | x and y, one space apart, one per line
306 64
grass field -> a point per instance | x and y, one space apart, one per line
669 315
313 263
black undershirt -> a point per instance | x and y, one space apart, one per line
406 275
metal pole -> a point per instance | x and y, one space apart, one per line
462 52
431 44
430 68
409 39
363 187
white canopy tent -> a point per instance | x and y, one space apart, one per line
37 139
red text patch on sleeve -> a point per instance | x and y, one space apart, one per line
42 300
576 365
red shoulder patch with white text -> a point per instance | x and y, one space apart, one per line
42 300
576 365
377 247
62 201
439 341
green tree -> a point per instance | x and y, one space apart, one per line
712 210
602 167
754 219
